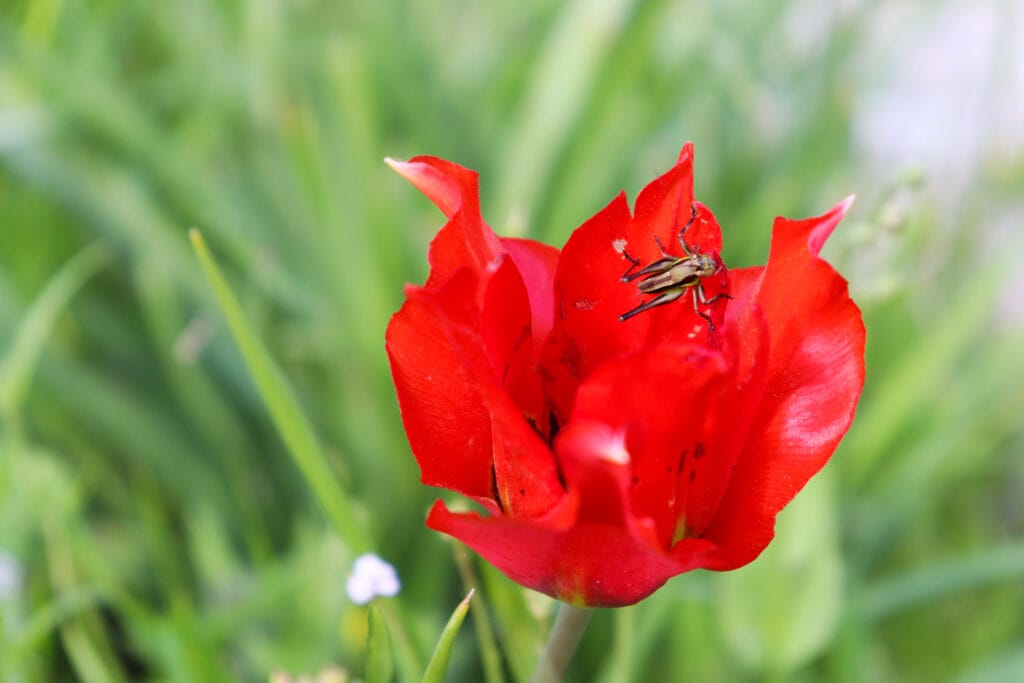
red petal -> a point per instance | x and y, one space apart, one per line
446 421
656 399
519 313
588 300
664 207
505 330
814 377
524 467
590 295
570 555
525 471
606 543
707 468
584 564
450 364
536 264
465 240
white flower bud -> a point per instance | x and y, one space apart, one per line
371 577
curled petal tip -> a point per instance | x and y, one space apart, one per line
432 181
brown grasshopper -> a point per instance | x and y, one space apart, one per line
671 276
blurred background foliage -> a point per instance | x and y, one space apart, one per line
152 524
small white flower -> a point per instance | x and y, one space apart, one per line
371 577
10 575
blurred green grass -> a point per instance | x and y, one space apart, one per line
161 530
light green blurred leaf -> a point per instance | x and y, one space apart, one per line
1002 668
783 609
380 666
567 68
49 616
519 629
934 582
490 654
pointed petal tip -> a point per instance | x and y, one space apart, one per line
406 169
686 152
827 223
397 165
429 176
844 206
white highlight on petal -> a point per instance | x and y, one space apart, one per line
619 245
371 577
595 442
10 575
614 449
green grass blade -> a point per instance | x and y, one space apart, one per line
380 665
283 406
50 616
439 661
20 362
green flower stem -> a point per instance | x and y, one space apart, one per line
565 636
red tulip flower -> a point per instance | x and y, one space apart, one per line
627 409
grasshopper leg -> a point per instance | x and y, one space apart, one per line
633 263
668 296
682 242
657 240
700 299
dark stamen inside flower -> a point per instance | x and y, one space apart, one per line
553 426
494 489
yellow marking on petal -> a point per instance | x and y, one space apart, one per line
680 532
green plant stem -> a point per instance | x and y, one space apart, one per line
565 636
